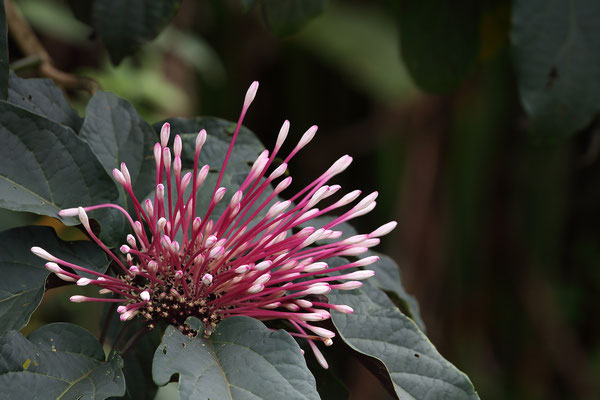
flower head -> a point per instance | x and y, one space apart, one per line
259 258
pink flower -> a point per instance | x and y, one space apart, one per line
245 262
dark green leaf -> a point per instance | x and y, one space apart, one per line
58 361
23 273
439 41
116 134
124 26
82 9
3 54
285 17
380 331
41 96
46 167
242 360
387 278
557 61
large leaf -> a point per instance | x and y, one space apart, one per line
3 54
124 26
557 60
439 41
243 359
23 273
58 361
46 167
405 357
285 17
116 134
41 96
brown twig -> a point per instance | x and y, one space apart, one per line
29 44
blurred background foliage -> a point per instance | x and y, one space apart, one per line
476 121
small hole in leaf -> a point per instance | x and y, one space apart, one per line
164 350
416 355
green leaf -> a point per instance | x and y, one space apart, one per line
243 359
42 97
3 54
439 41
23 273
124 26
285 17
46 167
557 60
401 353
58 361
387 278
116 134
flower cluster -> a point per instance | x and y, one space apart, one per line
259 258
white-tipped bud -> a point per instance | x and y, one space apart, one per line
145 295
66 278
38 251
250 94
314 316
353 251
236 199
363 210
303 303
118 175
318 355
263 265
104 291
219 194
127 315
83 281
175 246
284 184
256 288
196 223
160 224
366 201
177 146
200 140
327 342
340 165
68 212
152 266
125 173
277 209
210 241
242 269
178 274
353 240
185 181
167 157
316 289
316 235
317 196
125 249
165 132
131 240
348 198
383 229
207 279
78 299
83 218
121 309
326 333
291 306
278 171
202 174
307 137
358 275
342 308
53 267
264 278
217 251
149 207
308 215
283 132
370 242
314 267
259 164
177 166
134 269
160 191
350 285
272 305
157 154
366 261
